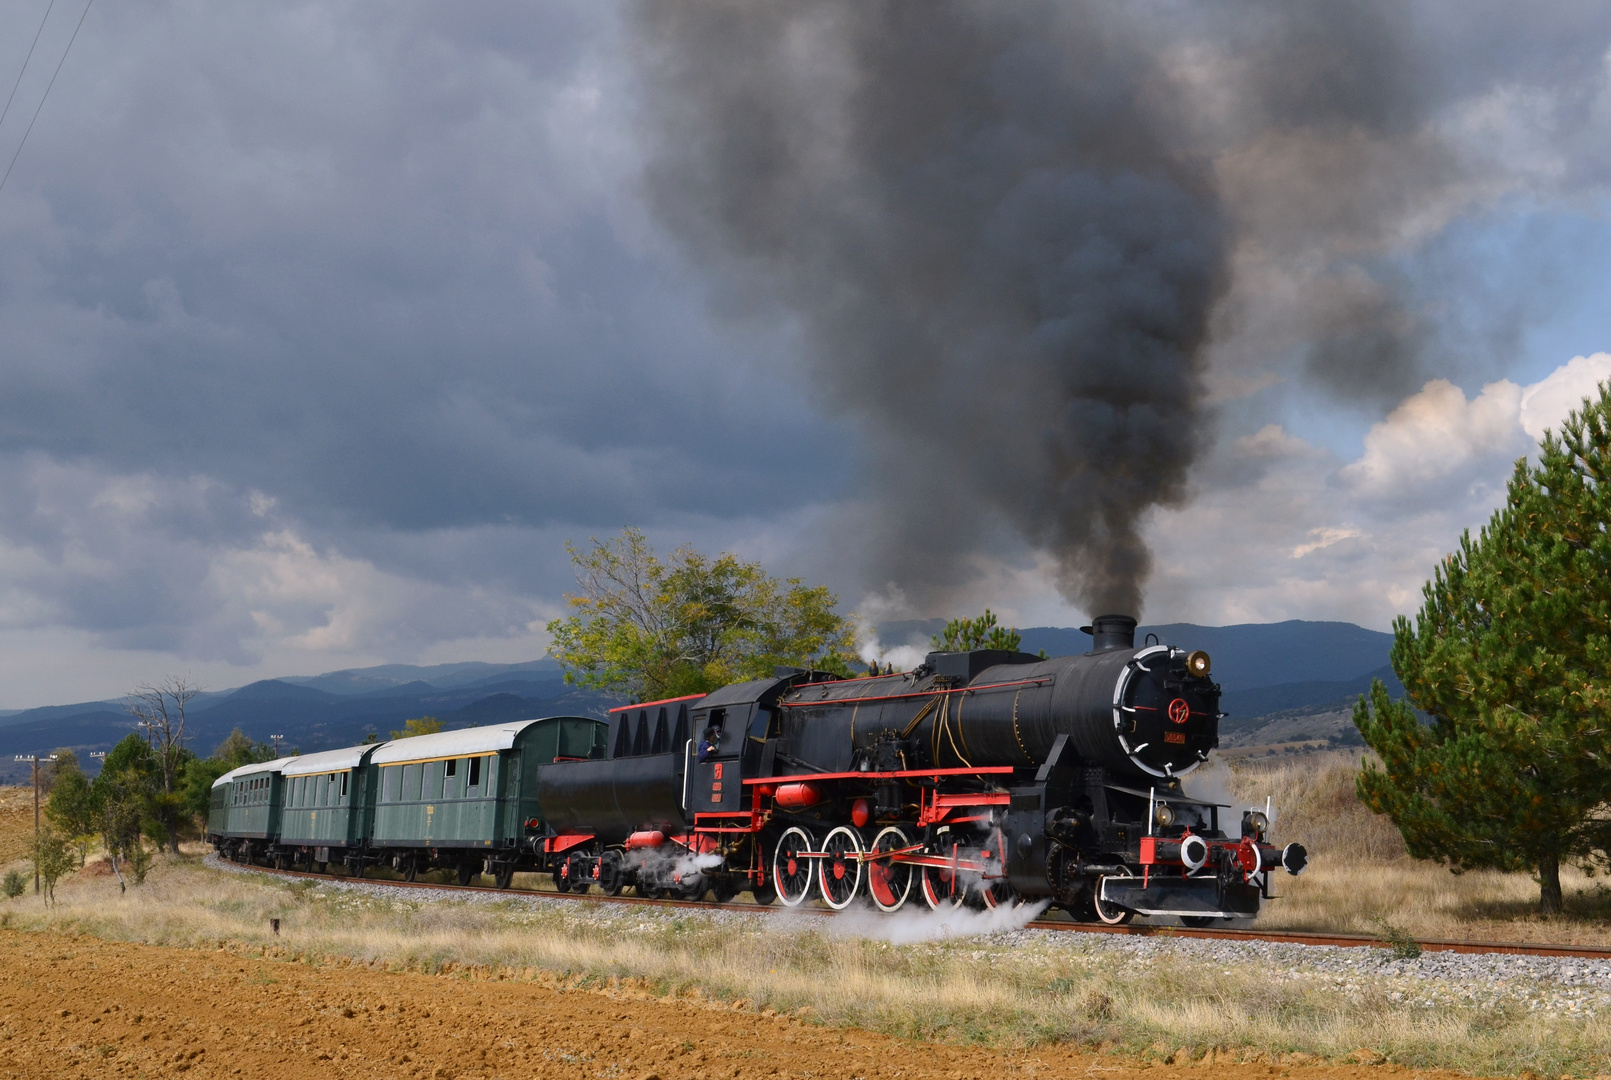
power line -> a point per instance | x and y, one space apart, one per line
46 94
25 60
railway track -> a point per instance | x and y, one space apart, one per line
1296 937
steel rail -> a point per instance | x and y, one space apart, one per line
1291 937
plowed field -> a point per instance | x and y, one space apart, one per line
80 1006
16 823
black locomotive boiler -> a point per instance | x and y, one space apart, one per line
981 778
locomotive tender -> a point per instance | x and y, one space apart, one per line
978 778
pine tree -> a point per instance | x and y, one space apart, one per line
1510 657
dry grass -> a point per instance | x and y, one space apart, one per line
1043 990
1360 874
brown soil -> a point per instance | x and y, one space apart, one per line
16 823
80 1006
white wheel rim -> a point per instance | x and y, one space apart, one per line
855 870
800 842
902 894
1096 904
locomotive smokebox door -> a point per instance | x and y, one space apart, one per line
715 785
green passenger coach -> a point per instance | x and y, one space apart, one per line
245 813
466 799
329 806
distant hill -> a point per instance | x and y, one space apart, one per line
318 712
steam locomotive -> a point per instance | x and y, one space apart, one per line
980 778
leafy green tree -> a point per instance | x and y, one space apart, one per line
419 725
14 885
651 627
1510 657
71 805
196 788
53 856
962 635
123 797
237 750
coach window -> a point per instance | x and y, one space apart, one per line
388 783
343 785
413 782
449 772
475 772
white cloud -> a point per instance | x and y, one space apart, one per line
1287 529
1437 439
1546 403
123 572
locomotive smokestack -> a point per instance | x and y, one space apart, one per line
1109 632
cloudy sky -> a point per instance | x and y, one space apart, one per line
324 327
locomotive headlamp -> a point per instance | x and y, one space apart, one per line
1164 815
1258 822
1199 664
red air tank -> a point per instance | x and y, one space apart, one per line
646 838
797 796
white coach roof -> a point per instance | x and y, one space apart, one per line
461 743
277 765
349 757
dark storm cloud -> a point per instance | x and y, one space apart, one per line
376 262
1009 230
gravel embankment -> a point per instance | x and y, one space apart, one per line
1572 985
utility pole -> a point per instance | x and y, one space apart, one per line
276 739
34 760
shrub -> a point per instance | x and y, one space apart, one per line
15 884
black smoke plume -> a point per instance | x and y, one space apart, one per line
1009 234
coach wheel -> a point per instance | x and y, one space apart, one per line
841 869
467 873
576 872
722 888
764 893
691 885
411 868
1197 922
504 875
612 876
280 861
792 875
889 883
1111 914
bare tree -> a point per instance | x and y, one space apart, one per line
159 711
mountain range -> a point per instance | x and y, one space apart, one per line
1264 669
